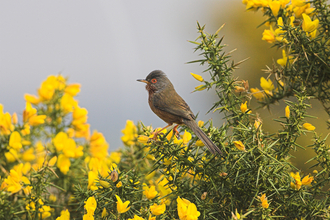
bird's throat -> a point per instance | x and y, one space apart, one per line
151 89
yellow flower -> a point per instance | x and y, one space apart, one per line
275 7
82 131
130 133
269 35
266 84
79 116
197 77
162 186
26 130
26 168
284 3
122 207
307 180
28 111
65 215
264 202
60 140
15 141
257 124
32 99
52 198
119 184
14 182
157 209
152 217
28 155
200 87
104 212
52 161
79 122
239 145
14 118
199 143
284 60
35 120
186 137
104 183
68 103
259 95
236 215
73 89
299 7
11 156
63 163
287 112
279 32
136 218
187 210
92 179
98 146
88 216
297 184
47 88
143 139
150 193
115 157
90 205
309 25
309 126
45 211
244 108
5 122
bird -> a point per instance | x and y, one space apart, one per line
168 105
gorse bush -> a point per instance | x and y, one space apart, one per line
53 168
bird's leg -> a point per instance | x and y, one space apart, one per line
157 132
176 131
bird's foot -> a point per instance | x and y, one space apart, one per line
155 136
176 132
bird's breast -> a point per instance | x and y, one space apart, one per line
164 115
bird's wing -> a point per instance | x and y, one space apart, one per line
171 102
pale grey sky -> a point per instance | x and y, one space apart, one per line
105 46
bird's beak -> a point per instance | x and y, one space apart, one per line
143 80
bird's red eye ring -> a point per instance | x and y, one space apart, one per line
154 80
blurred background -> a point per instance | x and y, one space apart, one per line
106 45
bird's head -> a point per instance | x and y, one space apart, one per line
156 81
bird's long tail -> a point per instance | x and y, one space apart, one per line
202 136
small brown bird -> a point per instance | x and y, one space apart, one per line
169 106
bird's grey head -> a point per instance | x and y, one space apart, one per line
158 80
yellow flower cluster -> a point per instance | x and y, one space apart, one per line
295 10
267 86
65 215
187 210
52 107
264 201
101 163
67 149
45 210
297 183
16 180
90 207
130 133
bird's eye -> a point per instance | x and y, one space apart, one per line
154 80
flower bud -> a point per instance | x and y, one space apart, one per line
14 118
105 184
114 176
52 161
203 197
